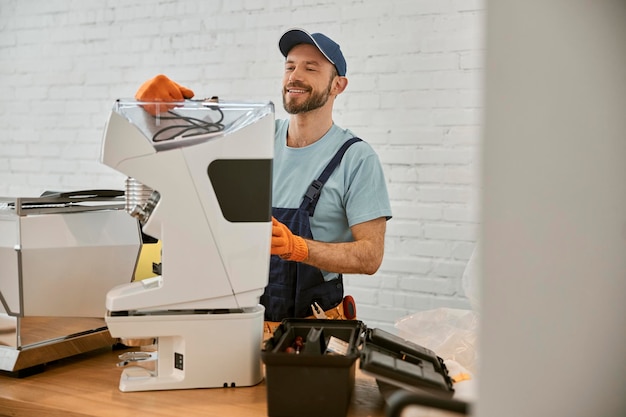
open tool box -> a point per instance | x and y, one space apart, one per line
310 366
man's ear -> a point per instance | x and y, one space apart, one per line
339 85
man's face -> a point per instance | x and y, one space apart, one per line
307 82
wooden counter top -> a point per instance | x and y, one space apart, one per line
87 385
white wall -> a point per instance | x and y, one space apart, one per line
554 310
415 70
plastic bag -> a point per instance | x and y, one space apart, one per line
472 277
450 333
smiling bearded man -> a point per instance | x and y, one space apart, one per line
329 197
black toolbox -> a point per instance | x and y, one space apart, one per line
310 366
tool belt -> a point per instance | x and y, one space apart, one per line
335 313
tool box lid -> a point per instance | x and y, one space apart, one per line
404 364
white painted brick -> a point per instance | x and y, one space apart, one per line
462 250
440 286
463 135
401 113
96 168
424 7
25 165
461 98
363 281
402 192
460 303
416 135
59 166
411 81
402 173
19 134
407 264
363 101
410 99
13 149
465 232
82 151
85 181
399 156
454 117
416 211
361 82
469 5
449 269
387 281
363 296
431 174
472 60
405 229
427 248
450 41
46 150
431 194
384 313
442 156
42 182
459 214
456 79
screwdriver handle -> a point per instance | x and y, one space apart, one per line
349 307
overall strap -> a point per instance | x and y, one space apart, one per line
312 194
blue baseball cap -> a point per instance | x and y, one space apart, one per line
329 48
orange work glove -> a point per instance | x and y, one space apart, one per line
161 88
287 245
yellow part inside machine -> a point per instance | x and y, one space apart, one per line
150 253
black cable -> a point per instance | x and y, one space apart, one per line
401 399
193 124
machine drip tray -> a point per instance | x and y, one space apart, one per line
27 344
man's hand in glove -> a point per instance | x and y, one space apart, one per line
161 88
287 245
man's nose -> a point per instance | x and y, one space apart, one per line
295 74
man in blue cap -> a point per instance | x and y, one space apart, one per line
329 198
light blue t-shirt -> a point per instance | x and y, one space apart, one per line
355 192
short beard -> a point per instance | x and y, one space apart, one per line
315 101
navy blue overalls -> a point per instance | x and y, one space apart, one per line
294 286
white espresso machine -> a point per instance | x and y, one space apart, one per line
199 180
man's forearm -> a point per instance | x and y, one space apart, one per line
362 256
348 257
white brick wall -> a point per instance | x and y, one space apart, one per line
415 92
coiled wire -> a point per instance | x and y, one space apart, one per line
191 126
